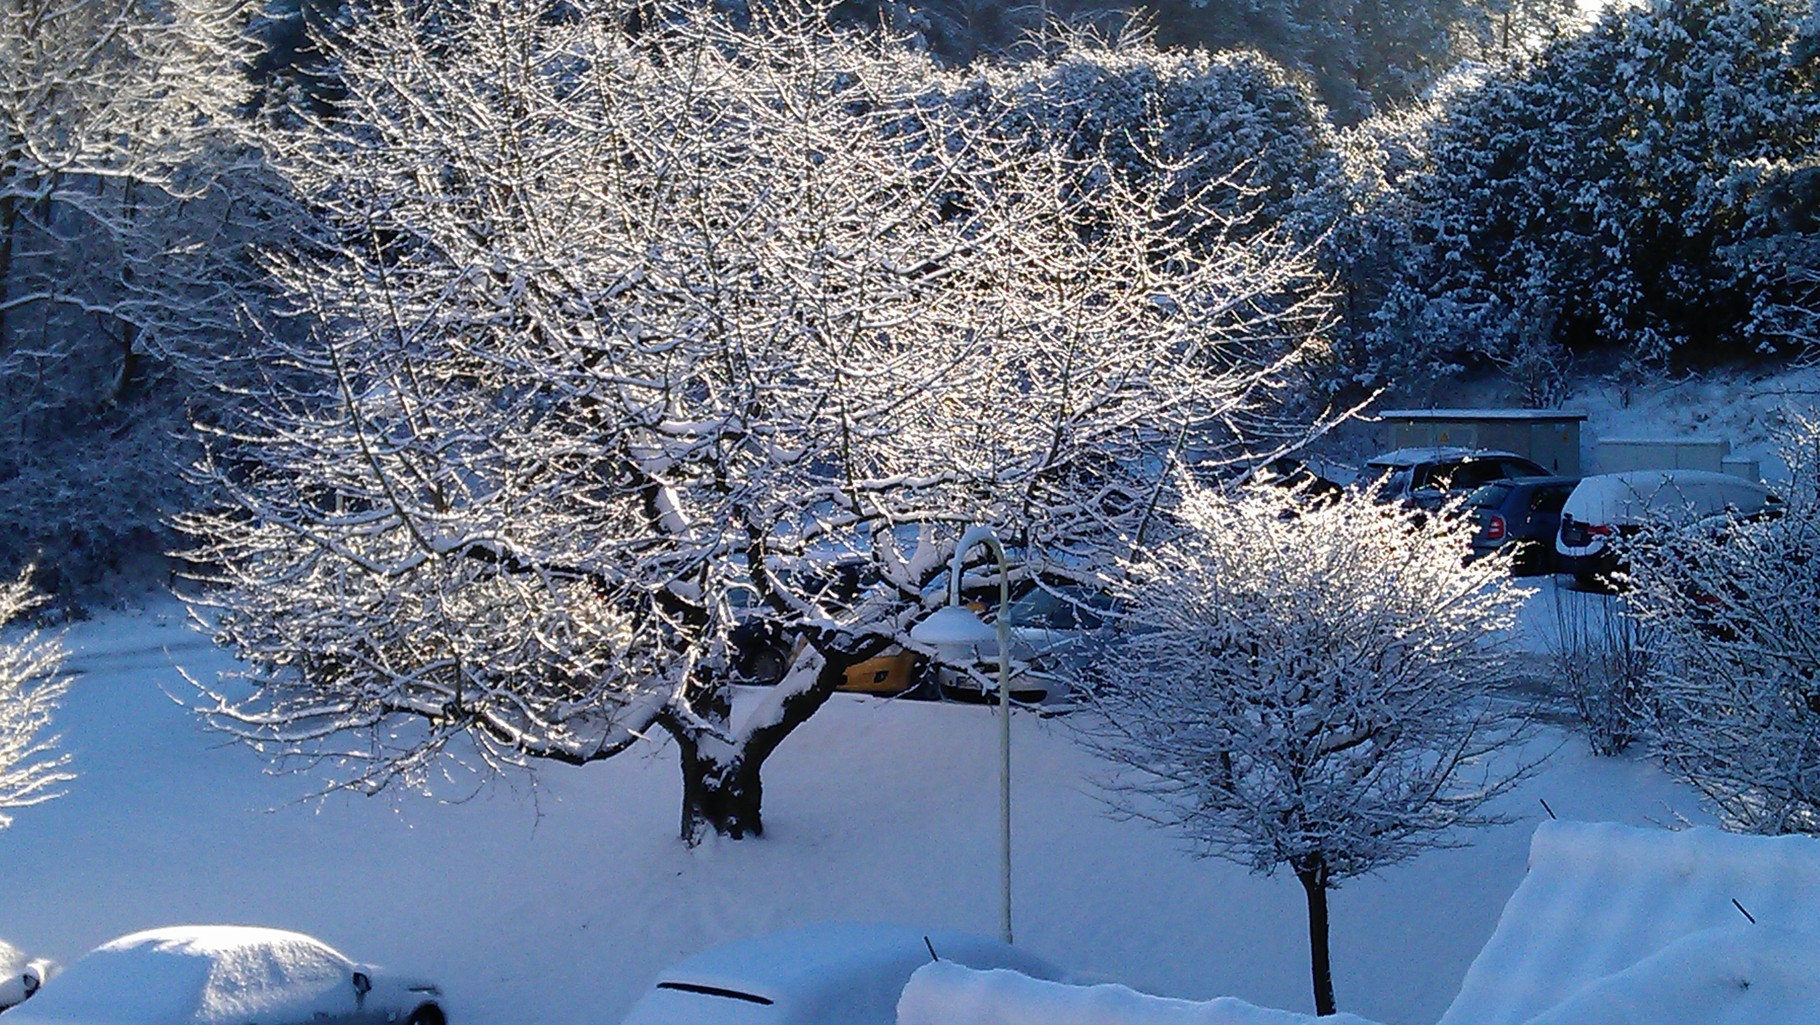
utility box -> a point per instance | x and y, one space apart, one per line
1749 469
1617 455
1548 436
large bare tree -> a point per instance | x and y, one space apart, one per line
621 311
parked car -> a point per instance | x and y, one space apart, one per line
1523 515
1054 630
763 648
20 976
1428 477
830 974
226 975
1606 507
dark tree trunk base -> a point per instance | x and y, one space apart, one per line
1314 886
720 798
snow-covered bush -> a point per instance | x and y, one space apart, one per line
1303 684
1606 658
30 771
1604 197
1365 56
593 384
1737 711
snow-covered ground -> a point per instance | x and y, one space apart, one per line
558 902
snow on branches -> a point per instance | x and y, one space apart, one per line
1736 703
1304 682
29 689
628 322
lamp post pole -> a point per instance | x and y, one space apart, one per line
957 627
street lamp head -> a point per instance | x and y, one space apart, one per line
954 630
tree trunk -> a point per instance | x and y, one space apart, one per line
1313 877
720 795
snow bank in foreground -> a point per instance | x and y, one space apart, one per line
1600 898
948 994
1739 975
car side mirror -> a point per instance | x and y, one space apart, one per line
30 981
362 984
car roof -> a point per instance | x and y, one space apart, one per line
1434 454
207 940
1536 480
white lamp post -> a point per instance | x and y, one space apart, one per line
954 631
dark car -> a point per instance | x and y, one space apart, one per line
1427 477
1522 514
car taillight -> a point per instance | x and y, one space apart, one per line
1494 528
1599 529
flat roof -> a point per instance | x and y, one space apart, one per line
1644 439
1482 414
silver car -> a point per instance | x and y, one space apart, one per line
226 975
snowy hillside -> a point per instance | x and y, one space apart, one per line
559 902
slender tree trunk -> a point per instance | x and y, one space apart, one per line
1314 886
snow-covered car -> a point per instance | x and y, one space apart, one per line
226 975
843 973
1606 507
1054 632
1428 477
20 975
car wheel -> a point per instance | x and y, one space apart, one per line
428 1014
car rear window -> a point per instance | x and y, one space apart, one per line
1491 496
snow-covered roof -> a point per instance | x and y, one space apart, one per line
948 994
1602 899
1489 413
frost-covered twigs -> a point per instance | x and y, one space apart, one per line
1304 683
1607 658
625 339
30 769
1738 709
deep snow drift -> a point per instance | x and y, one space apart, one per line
560 902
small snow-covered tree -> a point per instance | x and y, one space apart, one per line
1736 705
1302 684
29 689
624 313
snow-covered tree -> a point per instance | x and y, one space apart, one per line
1302 683
1604 197
1737 702
123 265
1368 55
624 313
30 770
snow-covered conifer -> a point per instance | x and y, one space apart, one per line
1303 683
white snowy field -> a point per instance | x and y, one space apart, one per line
558 902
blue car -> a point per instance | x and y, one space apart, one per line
1522 514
